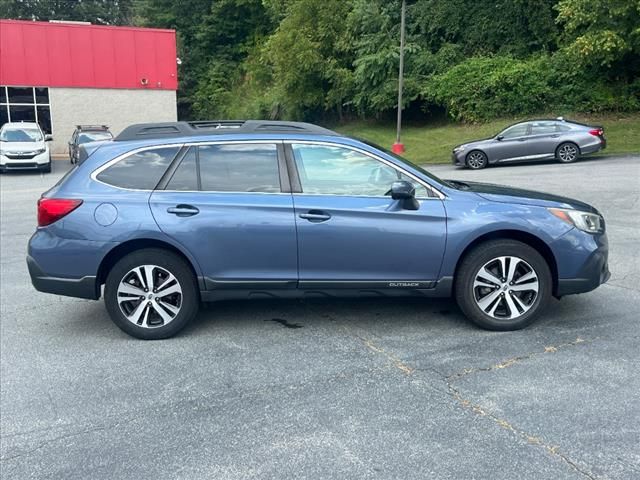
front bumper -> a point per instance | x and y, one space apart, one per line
458 159
586 256
24 162
84 287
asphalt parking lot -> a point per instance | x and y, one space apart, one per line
342 389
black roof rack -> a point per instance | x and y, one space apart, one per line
144 131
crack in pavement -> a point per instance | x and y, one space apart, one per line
553 450
52 440
530 439
396 362
513 360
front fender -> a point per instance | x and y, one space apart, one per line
467 221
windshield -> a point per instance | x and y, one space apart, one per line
21 135
86 137
404 160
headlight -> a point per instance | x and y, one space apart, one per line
585 221
459 149
40 150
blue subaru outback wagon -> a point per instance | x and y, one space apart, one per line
170 214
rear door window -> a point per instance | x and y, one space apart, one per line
139 171
543 128
249 167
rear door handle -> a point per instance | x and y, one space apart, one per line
183 210
316 216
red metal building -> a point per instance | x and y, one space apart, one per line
62 74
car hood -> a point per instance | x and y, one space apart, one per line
475 143
12 147
506 194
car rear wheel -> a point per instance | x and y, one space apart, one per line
503 285
567 152
151 294
476 160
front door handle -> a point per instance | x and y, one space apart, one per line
183 210
316 216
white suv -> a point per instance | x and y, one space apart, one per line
23 146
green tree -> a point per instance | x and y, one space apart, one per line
602 34
511 27
214 37
306 61
101 12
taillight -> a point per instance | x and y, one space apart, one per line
598 132
53 209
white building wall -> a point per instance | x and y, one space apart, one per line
113 107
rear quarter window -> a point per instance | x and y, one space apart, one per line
139 171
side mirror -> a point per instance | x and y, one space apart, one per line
500 138
48 138
406 193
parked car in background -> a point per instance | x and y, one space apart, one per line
170 214
23 146
559 139
85 134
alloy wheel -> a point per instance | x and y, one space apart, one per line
149 296
506 288
476 160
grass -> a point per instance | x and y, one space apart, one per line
433 143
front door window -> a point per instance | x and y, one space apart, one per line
332 170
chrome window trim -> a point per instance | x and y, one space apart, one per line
438 194
122 156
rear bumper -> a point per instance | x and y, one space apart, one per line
84 287
594 147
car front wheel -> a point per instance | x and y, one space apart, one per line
151 294
503 285
476 160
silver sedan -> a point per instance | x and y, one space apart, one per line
558 139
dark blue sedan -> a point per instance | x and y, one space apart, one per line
170 214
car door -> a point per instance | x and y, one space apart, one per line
511 144
228 204
544 139
351 234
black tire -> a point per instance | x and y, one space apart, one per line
168 262
567 152
47 167
467 295
476 160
